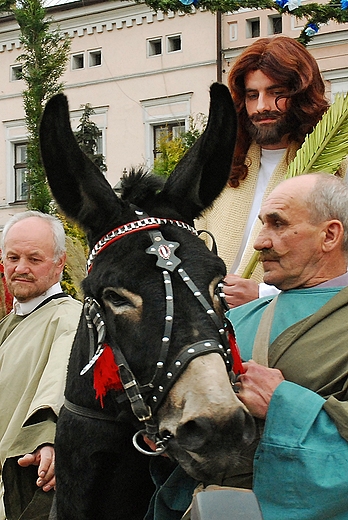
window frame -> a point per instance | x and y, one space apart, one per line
14 70
171 38
250 27
167 128
17 166
151 46
94 52
74 57
162 111
271 24
233 30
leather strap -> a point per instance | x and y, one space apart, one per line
262 337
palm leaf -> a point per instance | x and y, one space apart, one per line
326 146
251 265
323 150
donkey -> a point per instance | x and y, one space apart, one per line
151 352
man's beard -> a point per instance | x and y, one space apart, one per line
269 133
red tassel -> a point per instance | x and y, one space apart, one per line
106 374
235 353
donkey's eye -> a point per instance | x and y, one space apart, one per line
116 299
123 302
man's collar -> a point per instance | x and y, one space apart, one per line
22 309
339 281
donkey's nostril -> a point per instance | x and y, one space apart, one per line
194 434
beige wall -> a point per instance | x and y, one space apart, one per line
329 46
125 85
131 91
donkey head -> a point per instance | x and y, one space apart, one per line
153 284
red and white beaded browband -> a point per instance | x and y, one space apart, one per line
132 227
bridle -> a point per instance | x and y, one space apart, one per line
146 399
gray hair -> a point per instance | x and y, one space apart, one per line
55 224
329 201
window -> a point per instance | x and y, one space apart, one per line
232 29
336 81
154 47
162 116
275 25
253 28
174 43
166 131
78 61
94 58
15 72
20 173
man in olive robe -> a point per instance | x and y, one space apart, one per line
297 382
35 343
294 347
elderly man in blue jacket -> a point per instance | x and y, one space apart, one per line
295 347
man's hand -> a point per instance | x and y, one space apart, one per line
256 387
239 290
44 458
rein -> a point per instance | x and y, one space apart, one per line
164 376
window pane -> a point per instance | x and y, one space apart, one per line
174 43
16 71
277 25
77 61
255 29
20 172
154 47
21 184
94 58
160 132
21 153
166 130
178 130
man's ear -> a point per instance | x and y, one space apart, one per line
61 261
333 235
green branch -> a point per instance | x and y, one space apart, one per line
313 13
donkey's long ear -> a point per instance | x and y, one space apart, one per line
78 186
204 170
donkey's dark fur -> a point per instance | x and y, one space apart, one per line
100 475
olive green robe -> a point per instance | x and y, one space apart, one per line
33 364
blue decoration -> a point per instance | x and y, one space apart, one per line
293 4
281 3
187 2
344 4
290 4
311 29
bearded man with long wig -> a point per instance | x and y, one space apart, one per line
279 96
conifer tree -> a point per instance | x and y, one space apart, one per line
87 136
43 59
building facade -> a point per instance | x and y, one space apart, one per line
142 72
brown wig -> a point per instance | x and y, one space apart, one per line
288 63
